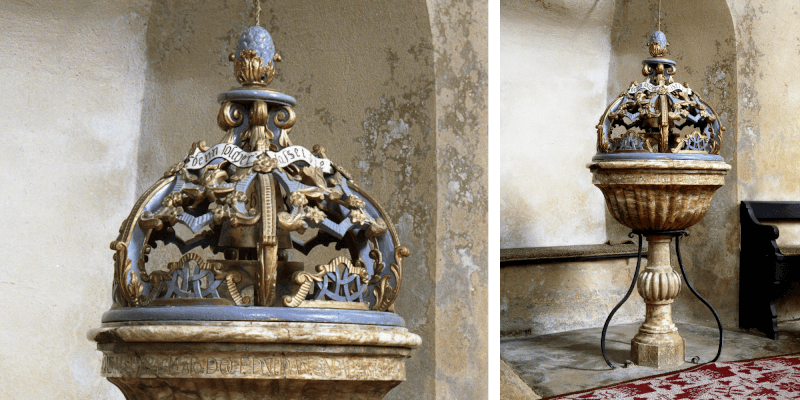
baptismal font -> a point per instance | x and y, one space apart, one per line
658 165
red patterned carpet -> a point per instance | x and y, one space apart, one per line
773 378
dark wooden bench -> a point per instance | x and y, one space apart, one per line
765 269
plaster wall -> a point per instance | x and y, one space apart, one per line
554 81
768 164
460 57
768 160
396 92
545 298
73 84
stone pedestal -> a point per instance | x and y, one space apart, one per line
658 343
253 360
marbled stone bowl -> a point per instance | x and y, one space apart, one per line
658 194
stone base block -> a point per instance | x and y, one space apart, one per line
658 350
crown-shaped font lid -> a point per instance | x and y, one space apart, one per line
659 118
227 219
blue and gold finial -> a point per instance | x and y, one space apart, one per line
658 44
254 56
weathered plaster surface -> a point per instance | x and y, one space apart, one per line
767 159
554 76
73 84
768 166
460 55
105 101
546 298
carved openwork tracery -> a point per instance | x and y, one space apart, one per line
659 115
248 200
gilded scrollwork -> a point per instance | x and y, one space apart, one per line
311 204
250 69
385 294
201 146
345 282
135 288
169 213
211 189
258 136
657 50
265 164
694 143
284 120
229 117
175 169
122 266
225 210
298 221
191 276
632 141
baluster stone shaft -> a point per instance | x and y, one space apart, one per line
658 343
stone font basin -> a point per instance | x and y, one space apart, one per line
658 195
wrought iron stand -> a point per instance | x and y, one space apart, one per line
677 234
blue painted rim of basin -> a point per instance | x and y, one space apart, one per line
656 156
257 314
251 95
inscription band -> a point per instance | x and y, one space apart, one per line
241 158
257 367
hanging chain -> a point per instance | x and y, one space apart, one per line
659 14
257 5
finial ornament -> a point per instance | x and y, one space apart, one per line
255 57
658 44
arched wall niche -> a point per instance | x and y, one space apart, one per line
105 101
396 92
363 77
563 63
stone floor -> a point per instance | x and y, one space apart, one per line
566 362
